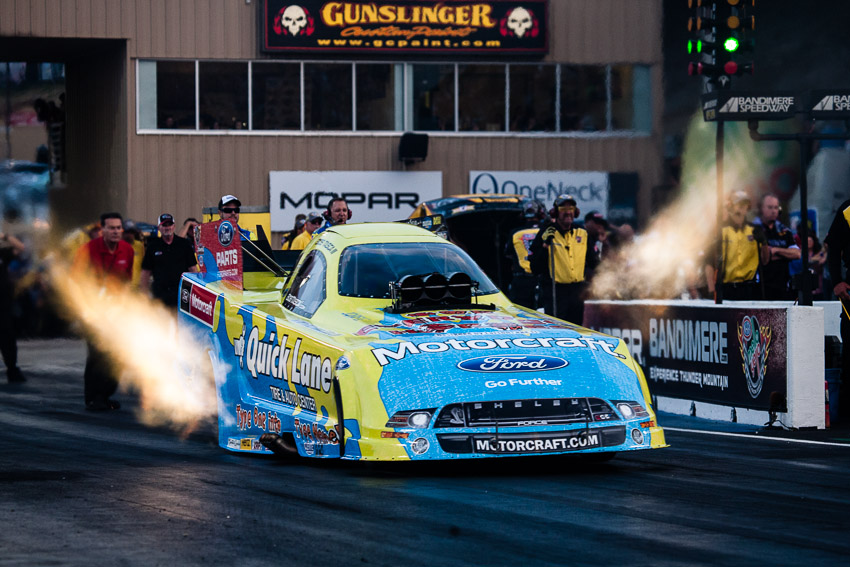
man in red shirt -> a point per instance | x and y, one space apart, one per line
109 259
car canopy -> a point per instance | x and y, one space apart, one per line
481 225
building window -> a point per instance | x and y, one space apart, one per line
543 98
583 98
276 96
631 102
327 96
532 98
433 97
223 95
380 96
481 98
167 94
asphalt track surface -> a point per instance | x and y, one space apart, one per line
82 488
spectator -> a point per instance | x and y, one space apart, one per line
109 260
228 209
133 237
782 249
743 250
560 254
300 221
313 222
598 233
336 213
165 260
187 231
817 261
10 248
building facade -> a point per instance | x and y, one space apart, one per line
172 103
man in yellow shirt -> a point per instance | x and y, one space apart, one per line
560 252
743 250
314 221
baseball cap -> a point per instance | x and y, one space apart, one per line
129 225
312 217
596 217
166 218
227 199
564 199
739 197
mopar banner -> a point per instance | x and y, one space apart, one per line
372 196
724 355
494 27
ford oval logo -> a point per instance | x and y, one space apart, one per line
512 363
225 233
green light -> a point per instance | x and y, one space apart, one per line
694 45
731 44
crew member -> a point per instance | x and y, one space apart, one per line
166 258
109 260
782 249
298 228
314 221
523 286
743 250
838 241
336 213
560 253
228 209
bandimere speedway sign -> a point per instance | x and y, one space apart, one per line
372 196
496 27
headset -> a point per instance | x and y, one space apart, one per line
561 200
327 212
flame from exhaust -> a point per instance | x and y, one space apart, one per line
169 369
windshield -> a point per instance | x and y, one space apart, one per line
367 270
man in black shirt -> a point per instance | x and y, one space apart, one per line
166 258
782 250
838 258
10 248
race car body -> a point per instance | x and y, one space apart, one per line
386 342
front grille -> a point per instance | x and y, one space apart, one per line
539 442
524 413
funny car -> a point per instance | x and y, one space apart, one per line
385 342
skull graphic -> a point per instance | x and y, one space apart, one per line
520 21
294 19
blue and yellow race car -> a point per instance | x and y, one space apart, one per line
387 342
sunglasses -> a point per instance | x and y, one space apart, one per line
168 224
230 210
317 221
567 208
